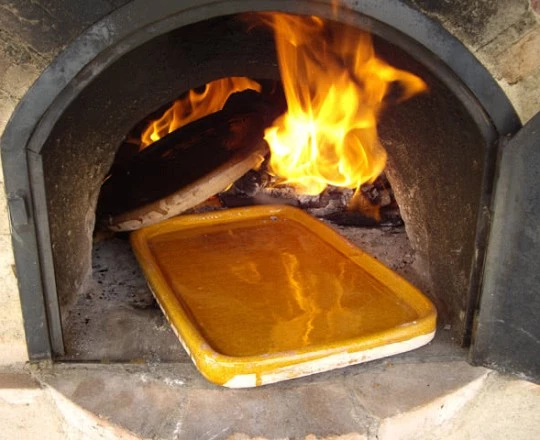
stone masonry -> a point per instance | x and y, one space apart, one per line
504 35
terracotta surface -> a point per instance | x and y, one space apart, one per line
271 293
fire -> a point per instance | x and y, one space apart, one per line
335 86
195 106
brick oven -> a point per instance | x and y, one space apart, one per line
461 165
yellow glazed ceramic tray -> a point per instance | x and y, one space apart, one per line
263 294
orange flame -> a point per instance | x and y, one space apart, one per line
334 85
194 106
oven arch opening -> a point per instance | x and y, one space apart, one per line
32 134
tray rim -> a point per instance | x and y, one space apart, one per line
219 367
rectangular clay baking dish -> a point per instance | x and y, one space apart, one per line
263 294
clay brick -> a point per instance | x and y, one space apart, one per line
12 341
4 222
522 58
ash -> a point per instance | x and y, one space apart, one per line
373 204
117 319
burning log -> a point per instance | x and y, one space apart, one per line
188 165
373 205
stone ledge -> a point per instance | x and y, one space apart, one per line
170 401
354 403
433 414
27 410
505 408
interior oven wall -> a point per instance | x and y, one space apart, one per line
436 152
81 148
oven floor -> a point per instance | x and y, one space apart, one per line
118 320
